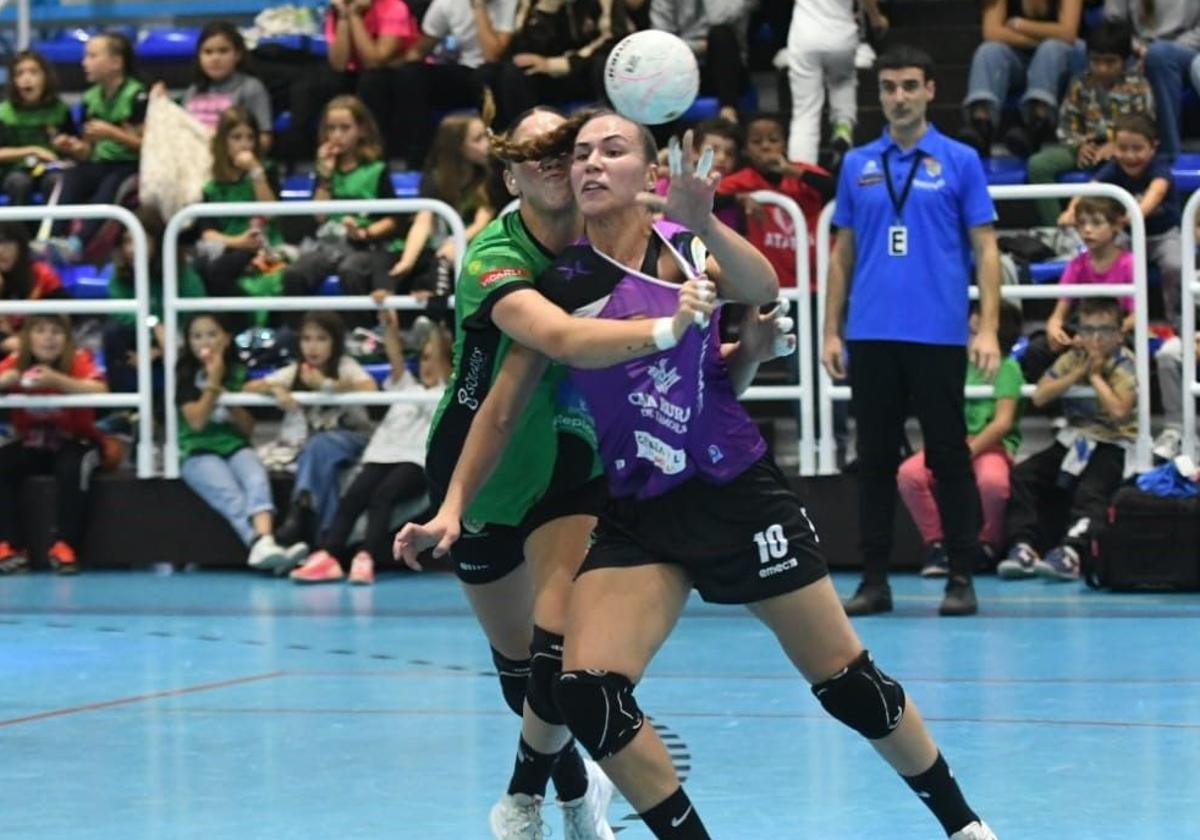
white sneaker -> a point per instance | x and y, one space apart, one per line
517 816
266 554
977 830
586 818
294 555
864 56
1168 444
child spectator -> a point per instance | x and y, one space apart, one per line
30 117
62 442
219 465
349 166
1099 222
458 174
119 338
770 229
336 435
1026 47
114 108
993 435
238 255
1074 478
21 278
724 138
1094 101
393 465
1137 168
822 41
221 82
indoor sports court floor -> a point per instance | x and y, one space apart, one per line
221 705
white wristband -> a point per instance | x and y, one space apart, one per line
664 333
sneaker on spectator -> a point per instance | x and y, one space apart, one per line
868 599
864 56
362 569
1021 562
985 561
12 561
937 563
320 567
1168 444
62 559
266 554
1060 563
959 598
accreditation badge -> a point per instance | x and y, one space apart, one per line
897 239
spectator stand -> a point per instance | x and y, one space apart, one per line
1187 326
830 392
174 306
139 307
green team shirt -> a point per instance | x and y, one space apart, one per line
980 412
220 436
503 258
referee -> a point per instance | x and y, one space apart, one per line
912 210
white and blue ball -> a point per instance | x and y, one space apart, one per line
652 77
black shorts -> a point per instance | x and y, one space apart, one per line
492 552
741 542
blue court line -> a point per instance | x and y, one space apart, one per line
141 698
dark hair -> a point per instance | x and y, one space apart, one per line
233 116
1011 323
25 351
561 140
155 226
1111 209
767 116
1101 306
901 56
118 44
49 87
188 365
455 179
507 150
18 282
719 127
332 324
1110 37
1137 123
223 29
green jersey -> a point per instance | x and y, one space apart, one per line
503 258
220 436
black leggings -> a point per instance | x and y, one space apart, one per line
376 489
92 183
72 464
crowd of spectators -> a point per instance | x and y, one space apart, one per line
403 87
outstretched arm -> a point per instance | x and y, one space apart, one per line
490 432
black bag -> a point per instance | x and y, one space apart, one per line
1150 543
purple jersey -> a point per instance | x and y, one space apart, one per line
663 418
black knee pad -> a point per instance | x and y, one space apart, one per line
864 698
514 676
600 709
544 667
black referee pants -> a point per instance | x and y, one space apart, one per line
887 378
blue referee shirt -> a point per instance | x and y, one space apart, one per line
922 296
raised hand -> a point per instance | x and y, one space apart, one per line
689 199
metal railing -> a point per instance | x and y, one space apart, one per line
1187 325
139 307
830 392
173 305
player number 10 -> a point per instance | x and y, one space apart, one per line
772 544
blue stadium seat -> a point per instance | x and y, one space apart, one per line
331 286
85 282
282 122
1076 176
297 187
706 107
406 184
379 370
1187 173
169 44
66 48
1047 272
1004 171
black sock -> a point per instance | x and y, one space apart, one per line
675 819
570 776
938 790
531 771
